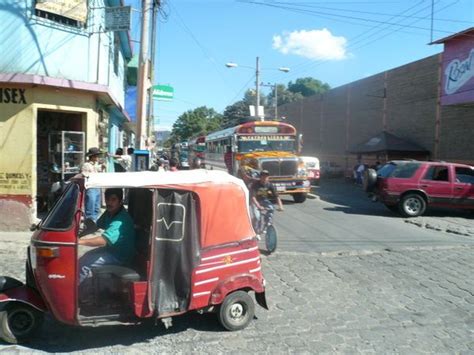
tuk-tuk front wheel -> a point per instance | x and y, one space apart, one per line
236 311
19 322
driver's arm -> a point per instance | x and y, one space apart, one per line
277 197
280 204
255 202
94 241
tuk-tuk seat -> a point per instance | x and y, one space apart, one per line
125 274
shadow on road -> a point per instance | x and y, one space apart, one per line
56 337
352 199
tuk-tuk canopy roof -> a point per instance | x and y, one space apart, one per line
223 198
160 179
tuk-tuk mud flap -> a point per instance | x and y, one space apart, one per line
261 299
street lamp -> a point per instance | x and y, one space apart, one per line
257 78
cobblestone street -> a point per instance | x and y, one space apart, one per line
400 301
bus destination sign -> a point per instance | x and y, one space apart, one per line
266 129
265 138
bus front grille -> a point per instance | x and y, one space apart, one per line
280 167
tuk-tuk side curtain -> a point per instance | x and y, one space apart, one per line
176 251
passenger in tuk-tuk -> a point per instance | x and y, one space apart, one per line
116 241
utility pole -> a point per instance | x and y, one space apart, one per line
143 82
257 87
432 18
276 103
156 6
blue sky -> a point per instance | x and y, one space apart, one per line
335 41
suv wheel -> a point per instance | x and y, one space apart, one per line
412 205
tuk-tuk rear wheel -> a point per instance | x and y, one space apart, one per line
19 322
237 310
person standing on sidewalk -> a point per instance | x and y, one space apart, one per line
93 196
122 162
228 159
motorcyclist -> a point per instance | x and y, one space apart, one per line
262 193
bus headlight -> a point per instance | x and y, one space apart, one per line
302 172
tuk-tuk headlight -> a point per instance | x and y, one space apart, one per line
47 252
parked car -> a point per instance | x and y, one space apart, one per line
312 169
409 187
331 169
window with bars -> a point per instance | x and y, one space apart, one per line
59 19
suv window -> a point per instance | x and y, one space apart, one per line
405 170
465 175
400 170
62 214
437 173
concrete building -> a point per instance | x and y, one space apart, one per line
59 71
429 102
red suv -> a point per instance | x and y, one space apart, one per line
410 186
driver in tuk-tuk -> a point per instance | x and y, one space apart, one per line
116 241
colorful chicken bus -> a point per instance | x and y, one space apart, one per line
246 149
196 148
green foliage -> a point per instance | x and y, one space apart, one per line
195 122
308 86
239 112
284 95
203 120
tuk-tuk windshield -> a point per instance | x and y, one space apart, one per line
62 213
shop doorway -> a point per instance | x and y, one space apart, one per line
50 123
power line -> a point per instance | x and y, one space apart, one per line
315 64
367 34
360 38
198 43
240 91
338 15
371 12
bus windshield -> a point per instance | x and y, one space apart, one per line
248 144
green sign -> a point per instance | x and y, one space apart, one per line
163 92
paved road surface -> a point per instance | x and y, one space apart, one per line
344 219
349 277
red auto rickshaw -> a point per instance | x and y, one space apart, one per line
196 250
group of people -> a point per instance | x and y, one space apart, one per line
360 168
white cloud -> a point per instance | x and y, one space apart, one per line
313 44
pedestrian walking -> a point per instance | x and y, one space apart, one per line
93 196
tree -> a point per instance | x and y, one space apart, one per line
284 95
195 122
308 86
239 111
